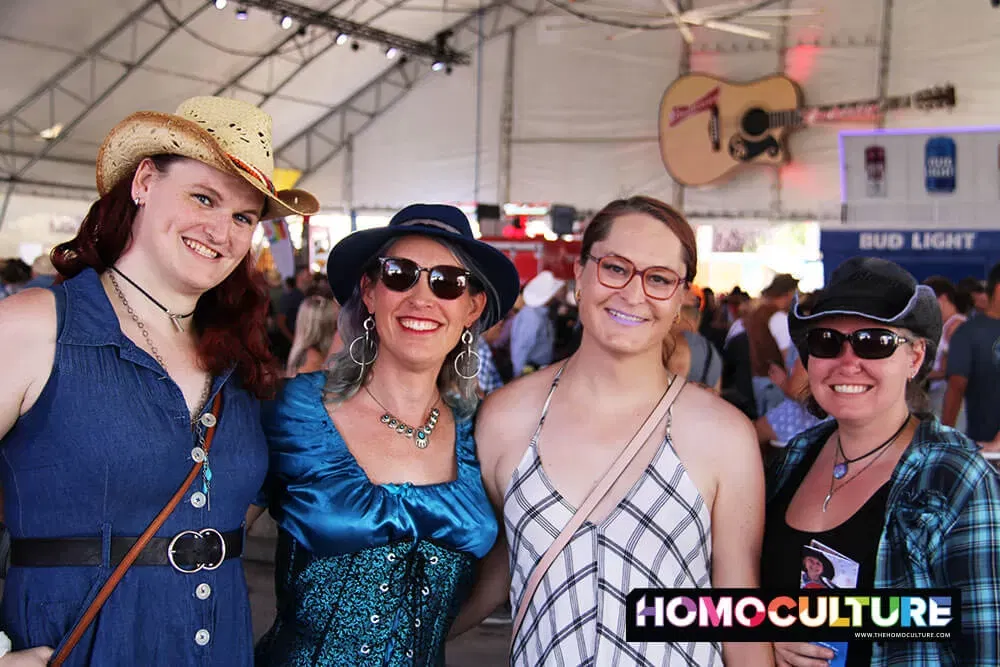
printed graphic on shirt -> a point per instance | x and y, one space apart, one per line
823 567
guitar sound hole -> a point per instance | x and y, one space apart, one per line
755 122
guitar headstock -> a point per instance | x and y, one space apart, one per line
938 97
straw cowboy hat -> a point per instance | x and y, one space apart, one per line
230 135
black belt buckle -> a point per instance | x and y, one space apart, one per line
199 548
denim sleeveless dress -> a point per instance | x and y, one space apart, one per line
365 574
108 442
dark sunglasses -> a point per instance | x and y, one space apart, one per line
867 343
446 282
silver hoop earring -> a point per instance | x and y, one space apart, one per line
366 344
468 353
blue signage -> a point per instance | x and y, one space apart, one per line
889 241
953 253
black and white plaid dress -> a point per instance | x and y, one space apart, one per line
658 536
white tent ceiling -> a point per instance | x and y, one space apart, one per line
551 111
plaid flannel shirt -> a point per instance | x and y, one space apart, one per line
489 376
942 530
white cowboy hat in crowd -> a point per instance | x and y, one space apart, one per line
542 288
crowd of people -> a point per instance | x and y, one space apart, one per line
434 440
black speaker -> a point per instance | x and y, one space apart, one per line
488 212
563 218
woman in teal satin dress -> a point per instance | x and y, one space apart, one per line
374 480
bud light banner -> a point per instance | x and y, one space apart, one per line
952 253
939 164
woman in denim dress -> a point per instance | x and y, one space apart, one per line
108 382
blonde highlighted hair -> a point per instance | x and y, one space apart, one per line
315 327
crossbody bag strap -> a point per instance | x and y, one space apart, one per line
119 572
625 460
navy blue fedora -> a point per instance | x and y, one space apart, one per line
353 254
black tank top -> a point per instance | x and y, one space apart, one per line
857 538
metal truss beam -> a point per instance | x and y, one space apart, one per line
777 184
361 31
768 215
683 68
884 59
49 184
323 140
6 158
67 102
304 61
275 52
507 122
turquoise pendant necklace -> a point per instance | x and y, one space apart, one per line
420 435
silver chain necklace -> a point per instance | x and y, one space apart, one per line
203 401
206 420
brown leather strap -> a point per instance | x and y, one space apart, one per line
624 462
109 586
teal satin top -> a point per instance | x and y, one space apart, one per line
365 572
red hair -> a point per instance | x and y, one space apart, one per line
230 318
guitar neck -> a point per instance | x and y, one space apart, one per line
836 112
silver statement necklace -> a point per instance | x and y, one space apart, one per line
421 436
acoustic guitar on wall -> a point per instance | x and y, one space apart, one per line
710 127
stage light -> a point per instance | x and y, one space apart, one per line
355 46
286 22
391 52
342 38
437 66
241 14
221 4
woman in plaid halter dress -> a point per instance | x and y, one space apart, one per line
692 517
577 612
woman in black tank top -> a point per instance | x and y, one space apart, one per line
879 497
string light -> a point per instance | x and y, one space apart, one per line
342 38
286 22
241 14
391 52
437 66
221 4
